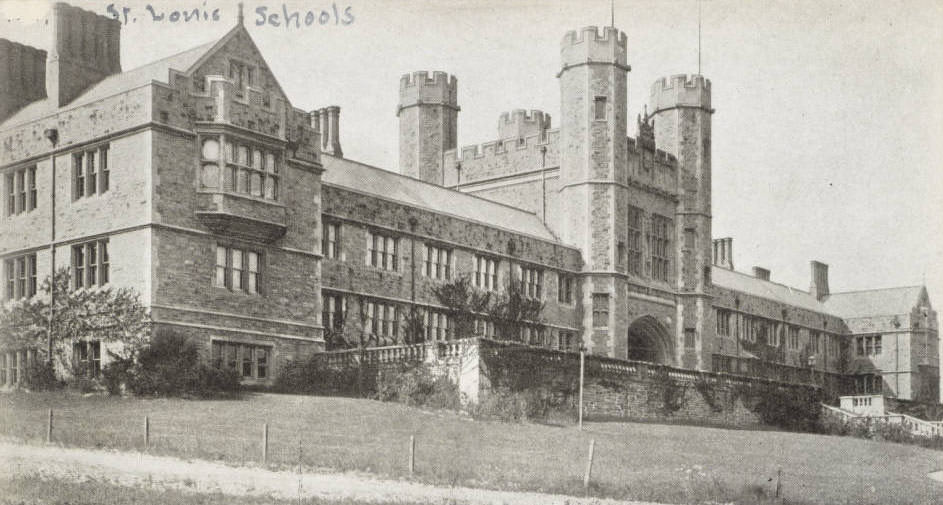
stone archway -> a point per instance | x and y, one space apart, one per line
649 340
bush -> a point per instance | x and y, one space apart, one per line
117 374
313 376
520 406
40 376
416 386
170 366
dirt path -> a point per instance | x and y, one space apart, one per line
161 472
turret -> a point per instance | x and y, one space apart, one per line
681 112
520 124
593 111
85 50
428 123
593 166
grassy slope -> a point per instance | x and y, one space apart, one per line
639 461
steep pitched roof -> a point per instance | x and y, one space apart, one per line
875 302
750 285
114 84
414 192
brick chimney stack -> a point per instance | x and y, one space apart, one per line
86 48
22 76
819 287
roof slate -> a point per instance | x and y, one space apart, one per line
874 302
750 285
414 192
114 84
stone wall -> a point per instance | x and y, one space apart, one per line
614 390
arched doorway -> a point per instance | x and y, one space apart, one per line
649 340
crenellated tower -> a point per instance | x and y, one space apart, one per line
428 123
593 165
681 109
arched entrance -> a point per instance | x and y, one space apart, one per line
649 340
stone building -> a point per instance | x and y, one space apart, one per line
243 225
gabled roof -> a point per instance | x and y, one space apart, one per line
416 193
114 84
875 302
751 285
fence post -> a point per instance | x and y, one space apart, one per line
147 433
412 455
779 483
49 428
264 443
589 463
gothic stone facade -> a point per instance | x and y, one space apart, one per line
243 225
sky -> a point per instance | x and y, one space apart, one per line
827 136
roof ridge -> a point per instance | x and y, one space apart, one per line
912 286
207 45
748 276
397 174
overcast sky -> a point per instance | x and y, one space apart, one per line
828 135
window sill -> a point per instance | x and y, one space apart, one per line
210 191
238 292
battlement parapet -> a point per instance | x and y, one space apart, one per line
589 45
691 90
418 88
501 147
520 123
637 145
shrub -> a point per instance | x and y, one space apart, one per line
417 386
314 376
520 406
170 366
40 376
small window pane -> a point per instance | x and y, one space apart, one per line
256 159
243 155
256 184
270 163
211 149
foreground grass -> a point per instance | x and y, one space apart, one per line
35 490
674 464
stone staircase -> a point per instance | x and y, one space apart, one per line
870 408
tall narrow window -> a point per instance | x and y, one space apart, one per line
532 282
659 245
600 310
104 173
236 278
253 273
564 288
78 168
91 173
634 240
31 187
11 193
91 250
599 107
20 191
78 266
21 277
329 244
220 267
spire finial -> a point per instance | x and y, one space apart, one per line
612 13
241 18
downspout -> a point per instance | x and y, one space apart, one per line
412 272
543 182
53 135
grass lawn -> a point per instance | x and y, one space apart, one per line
34 490
667 463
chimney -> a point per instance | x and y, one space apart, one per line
85 50
22 76
819 287
326 120
761 273
723 253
